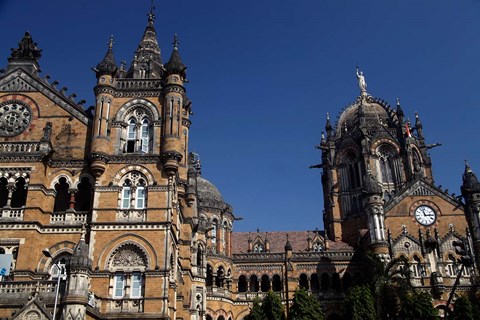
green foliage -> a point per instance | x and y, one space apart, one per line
256 313
359 304
270 308
418 306
305 307
466 309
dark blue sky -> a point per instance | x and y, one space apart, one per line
263 74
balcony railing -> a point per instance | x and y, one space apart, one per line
13 214
16 289
69 217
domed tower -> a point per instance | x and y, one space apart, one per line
368 157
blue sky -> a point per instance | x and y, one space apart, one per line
264 73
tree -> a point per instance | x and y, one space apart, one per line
256 313
359 304
272 307
418 306
305 307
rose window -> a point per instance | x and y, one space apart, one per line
14 118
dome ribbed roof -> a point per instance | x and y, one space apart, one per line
208 194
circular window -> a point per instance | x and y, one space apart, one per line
15 116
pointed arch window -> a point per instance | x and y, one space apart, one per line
138 131
388 165
134 193
258 248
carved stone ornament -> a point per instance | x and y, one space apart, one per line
15 117
129 255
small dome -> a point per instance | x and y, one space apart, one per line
208 194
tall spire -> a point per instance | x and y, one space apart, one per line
175 64
147 62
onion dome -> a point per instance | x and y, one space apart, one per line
107 66
208 194
175 64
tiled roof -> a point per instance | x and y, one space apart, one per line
298 240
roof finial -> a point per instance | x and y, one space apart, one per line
175 41
398 101
151 14
110 42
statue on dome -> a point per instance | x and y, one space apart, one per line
361 82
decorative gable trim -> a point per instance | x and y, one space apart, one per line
20 81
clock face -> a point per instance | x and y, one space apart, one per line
14 118
425 215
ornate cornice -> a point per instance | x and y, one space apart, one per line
173 88
67 163
132 158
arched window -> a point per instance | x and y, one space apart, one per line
133 194
325 282
451 268
242 284
219 279
253 283
416 267
265 283
83 197
214 235
200 256
128 264
347 281
314 283
276 283
303 283
19 196
258 248
62 199
317 246
58 266
388 166
209 279
336 285
139 131
3 192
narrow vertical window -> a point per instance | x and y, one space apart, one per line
145 136
100 116
126 197
119 285
131 135
140 198
136 285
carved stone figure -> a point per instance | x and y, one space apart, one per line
361 82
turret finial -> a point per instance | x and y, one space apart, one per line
151 14
175 41
398 101
362 84
111 43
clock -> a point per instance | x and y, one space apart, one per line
14 118
425 215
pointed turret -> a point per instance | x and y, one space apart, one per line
175 64
107 66
147 62
25 56
470 180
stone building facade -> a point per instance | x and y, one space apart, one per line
107 205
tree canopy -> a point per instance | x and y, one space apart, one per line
305 307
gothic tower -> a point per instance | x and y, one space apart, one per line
367 159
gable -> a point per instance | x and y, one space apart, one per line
20 81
